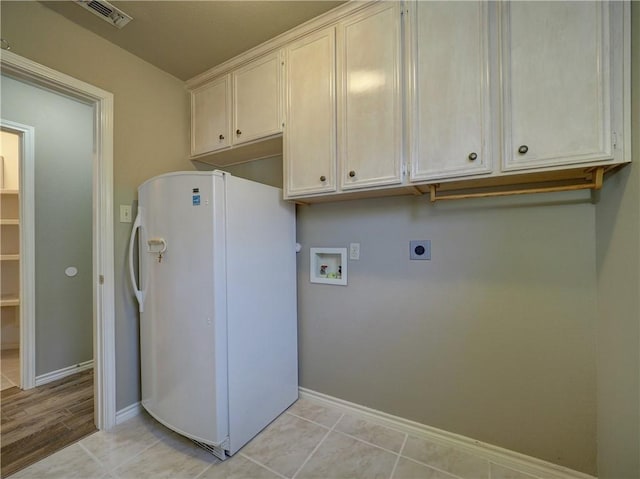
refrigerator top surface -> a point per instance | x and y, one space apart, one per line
213 173
184 173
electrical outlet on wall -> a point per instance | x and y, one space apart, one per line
354 251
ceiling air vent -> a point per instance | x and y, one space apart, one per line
106 11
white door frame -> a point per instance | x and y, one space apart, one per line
27 250
102 226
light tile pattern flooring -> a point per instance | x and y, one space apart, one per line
308 441
10 366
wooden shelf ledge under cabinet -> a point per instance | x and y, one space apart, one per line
9 257
9 301
8 192
590 178
9 222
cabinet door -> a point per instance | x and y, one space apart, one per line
257 99
310 129
210 108
448 97
556 85
369 111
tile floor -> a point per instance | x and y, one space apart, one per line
308 441
10 366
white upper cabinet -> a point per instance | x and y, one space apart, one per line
310 130
344 105
370 97
556 86
257 99
239 107
448 101
210 116
477 94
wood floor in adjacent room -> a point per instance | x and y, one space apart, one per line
43 420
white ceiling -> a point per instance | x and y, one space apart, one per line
186 38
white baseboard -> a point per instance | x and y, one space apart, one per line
63 373
128 412
494 454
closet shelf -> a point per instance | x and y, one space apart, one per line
8 222
4 191
9 257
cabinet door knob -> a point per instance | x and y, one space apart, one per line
352 174
238 132
523 149
221 137
323 178
473 156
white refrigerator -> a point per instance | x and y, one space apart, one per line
216 288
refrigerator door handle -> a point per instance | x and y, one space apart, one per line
139 295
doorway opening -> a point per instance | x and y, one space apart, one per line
17 238
102 268
10 219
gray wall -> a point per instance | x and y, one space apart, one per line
494 338
63 202
618 262
151 136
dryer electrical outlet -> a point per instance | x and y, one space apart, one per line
420 249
